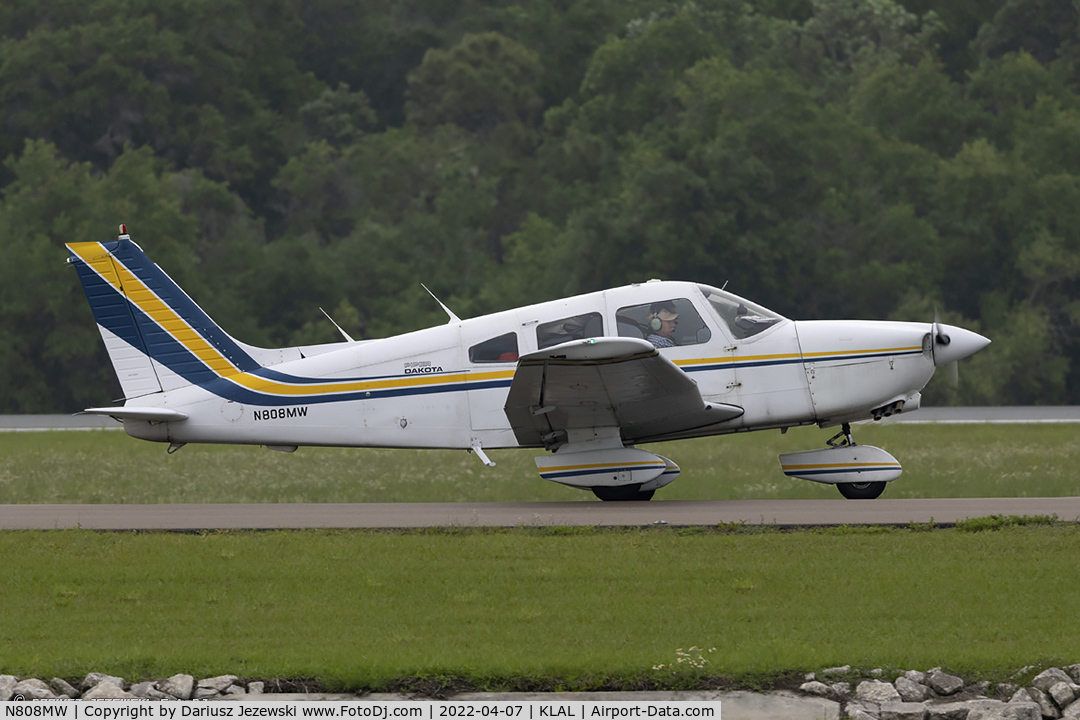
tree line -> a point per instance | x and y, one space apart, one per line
826 158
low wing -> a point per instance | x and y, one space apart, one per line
605 382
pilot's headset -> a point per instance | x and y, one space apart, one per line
655 322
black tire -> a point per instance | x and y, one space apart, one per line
623 493
861 491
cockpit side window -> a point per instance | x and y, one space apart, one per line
503 348
743 318
577 327
668 323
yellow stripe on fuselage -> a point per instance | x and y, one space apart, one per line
276 387
882 351
732 359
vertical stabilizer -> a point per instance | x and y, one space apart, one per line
157 337
115 319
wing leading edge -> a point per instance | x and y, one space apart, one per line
605 382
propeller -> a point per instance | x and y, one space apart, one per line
942 339
951 343
940 336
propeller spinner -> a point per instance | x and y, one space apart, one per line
952 343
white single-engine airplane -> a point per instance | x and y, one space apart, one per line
587 378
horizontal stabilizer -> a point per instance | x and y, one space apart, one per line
151 414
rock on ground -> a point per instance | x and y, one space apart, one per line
93 679
1050 677
876 691
179 686
62 687
107 691
7 686
33 689
149 691
943 683
815 687
902 711
1019 711
219 683
1062 694
910 690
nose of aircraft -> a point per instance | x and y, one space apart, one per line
952 343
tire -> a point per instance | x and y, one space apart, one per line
623 493
861 491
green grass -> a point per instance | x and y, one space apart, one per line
572 608
503 608
109 467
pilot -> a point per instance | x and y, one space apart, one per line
663 319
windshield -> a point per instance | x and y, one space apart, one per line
744 318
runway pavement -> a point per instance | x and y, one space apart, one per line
942 511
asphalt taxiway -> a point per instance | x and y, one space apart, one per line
190 517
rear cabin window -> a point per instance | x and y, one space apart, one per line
577 327
498 349
669 323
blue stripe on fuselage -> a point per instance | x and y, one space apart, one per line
222 387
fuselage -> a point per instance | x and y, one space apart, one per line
446 386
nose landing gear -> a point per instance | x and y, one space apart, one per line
858 471
854 490
842 438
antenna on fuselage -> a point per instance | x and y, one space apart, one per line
453 318
345 334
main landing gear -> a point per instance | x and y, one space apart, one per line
854 490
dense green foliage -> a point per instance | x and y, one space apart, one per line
828 158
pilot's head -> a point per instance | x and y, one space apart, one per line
663 319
